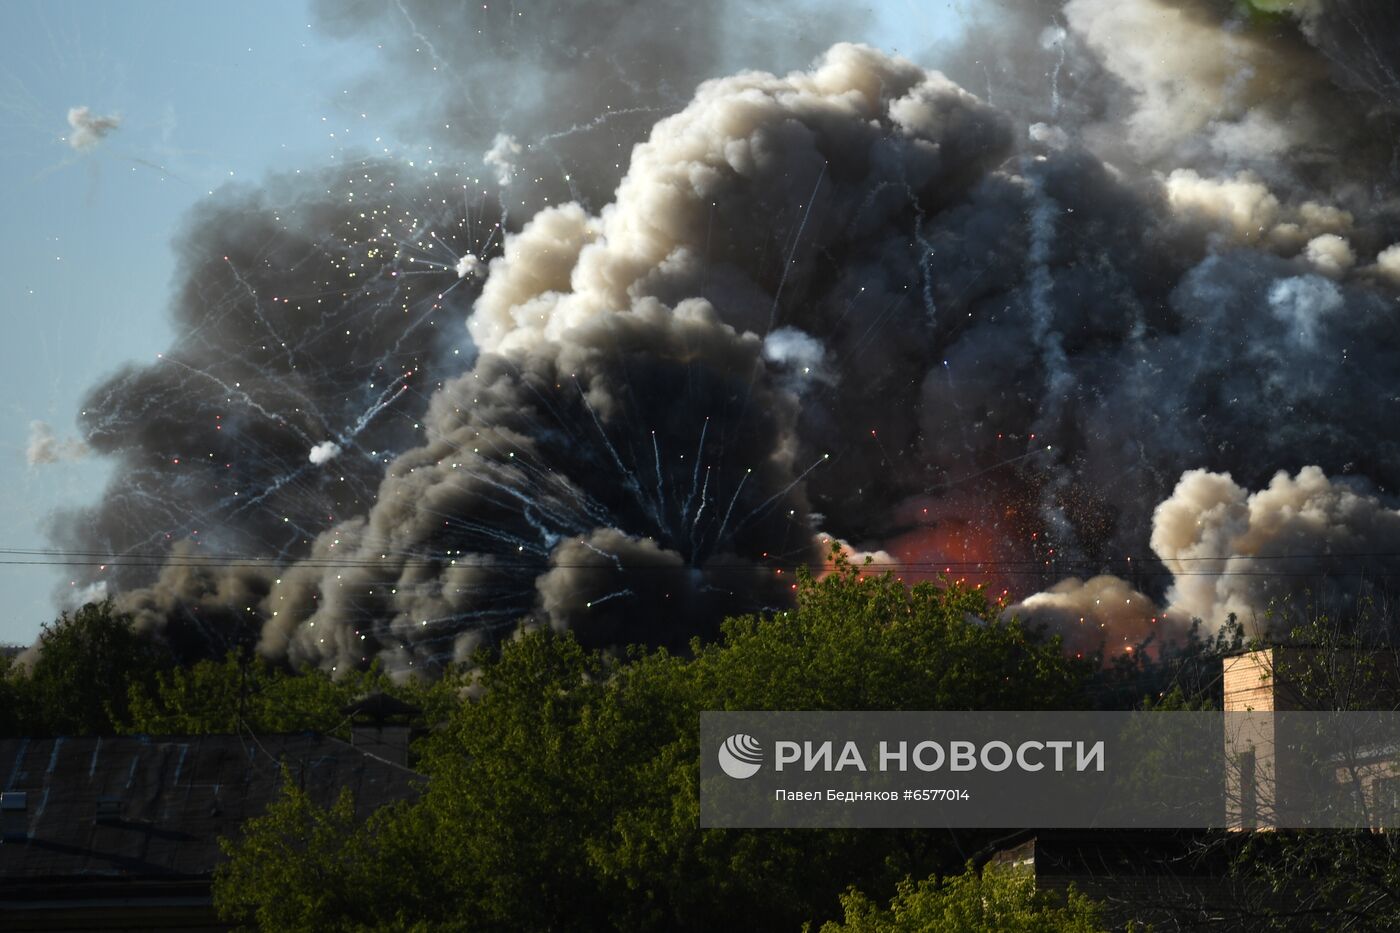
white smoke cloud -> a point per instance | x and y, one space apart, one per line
1388 263
1230 551
1309 222
1244 210
856 556
1052 137
1189 75
503 157
1243 205
1330 254
1103 611
324 452
46 447
566 267
1253 133
1234 551
469 265
88 128
1206 78
1324 218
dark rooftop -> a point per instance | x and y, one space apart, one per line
137 807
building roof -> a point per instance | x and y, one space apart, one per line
139 807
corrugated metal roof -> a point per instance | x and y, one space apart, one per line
165 801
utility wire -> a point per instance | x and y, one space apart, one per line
108 557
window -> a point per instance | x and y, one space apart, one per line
1249 802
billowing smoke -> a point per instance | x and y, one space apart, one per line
553 94
324 452
1235 551
1265 557
1051 320
45 446
1101 612
628 458
469 266
314 318
88 128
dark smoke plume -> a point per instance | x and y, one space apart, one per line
1122 285
311 312
558 92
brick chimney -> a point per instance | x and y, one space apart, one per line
381 725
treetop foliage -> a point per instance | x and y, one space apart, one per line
564 795
998 898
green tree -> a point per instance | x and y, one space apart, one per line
82 671
247 692
854 641
996 898
565 796
857 641
11 713
338 871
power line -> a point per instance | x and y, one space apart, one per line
1126 566
109 557
939 569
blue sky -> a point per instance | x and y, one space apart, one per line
208 93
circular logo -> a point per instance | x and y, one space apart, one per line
740 756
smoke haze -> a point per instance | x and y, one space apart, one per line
1111 279
89 128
